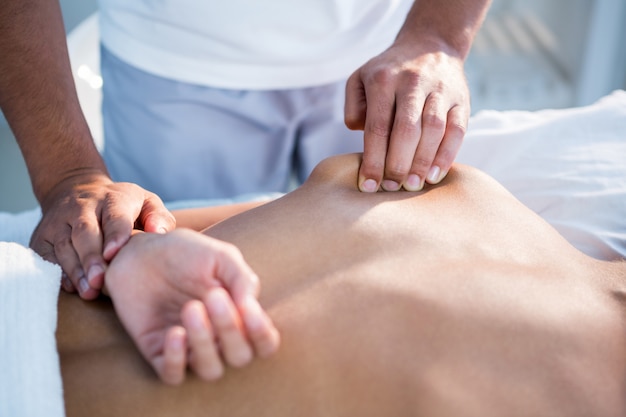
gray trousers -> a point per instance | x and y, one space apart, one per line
186 141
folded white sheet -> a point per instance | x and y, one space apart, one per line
568 165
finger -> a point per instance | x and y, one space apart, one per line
66 283
204 357
260 329
172 365
117 226
154 217
73 276
456 127
68 258
355 105
228 328
86 241
378 123
433 127
42 246
404 139
234 273
46 250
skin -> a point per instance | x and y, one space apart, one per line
442 302
221 321
412 102
202 217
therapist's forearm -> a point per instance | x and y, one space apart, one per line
38 96
449 24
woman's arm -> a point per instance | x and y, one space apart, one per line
188 300
202 217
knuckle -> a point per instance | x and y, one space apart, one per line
445 157
81 225
109 218
457 129
62 243
372 169
411 79
382 75
433 120
421 165
378 130
396 171
405 131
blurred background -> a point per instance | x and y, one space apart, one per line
529 55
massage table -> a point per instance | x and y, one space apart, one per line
568 165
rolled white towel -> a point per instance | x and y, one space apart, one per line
30 380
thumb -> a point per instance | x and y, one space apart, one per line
154 217
235 274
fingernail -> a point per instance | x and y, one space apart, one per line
94 272
161 230
413 183
83 285
369 186
66 283
111 247
389 185
433 174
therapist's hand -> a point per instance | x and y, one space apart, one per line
188 300
86 219
412 102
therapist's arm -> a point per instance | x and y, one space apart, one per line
86 216
412 101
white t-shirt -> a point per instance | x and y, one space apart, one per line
250 44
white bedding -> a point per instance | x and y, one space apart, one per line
567 165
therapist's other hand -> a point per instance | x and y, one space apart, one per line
188 300
412 102
86 219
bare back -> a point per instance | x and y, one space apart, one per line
455 300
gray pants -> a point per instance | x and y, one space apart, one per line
186 141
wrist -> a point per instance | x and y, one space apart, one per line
112 282
56 186
448 26
430 43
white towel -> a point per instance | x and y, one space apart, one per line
30 378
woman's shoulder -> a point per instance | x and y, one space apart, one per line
343 170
